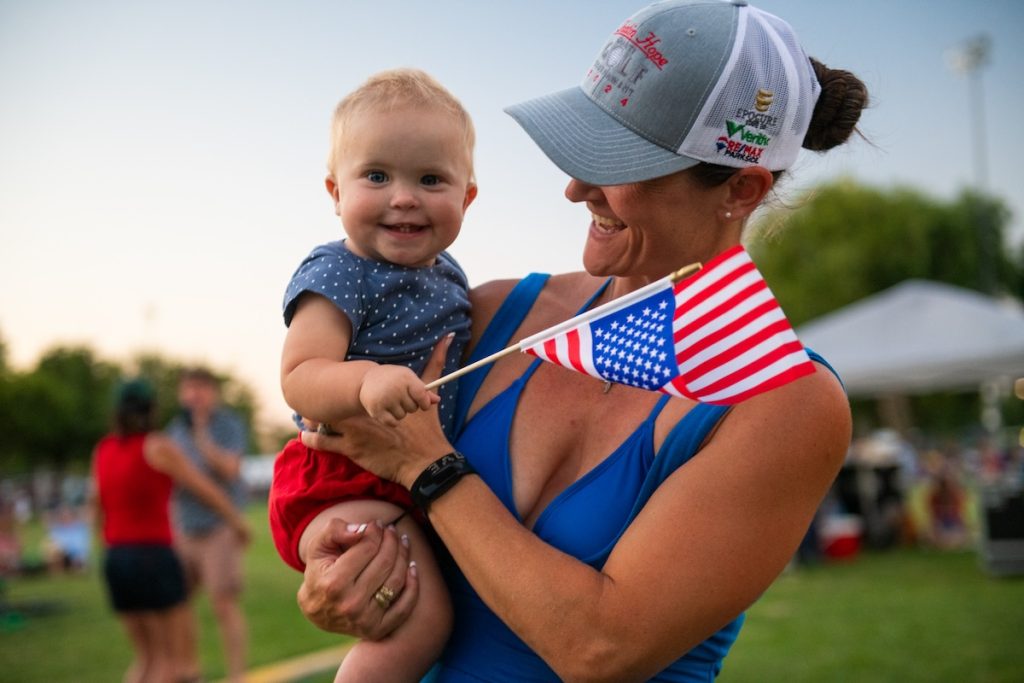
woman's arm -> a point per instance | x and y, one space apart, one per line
164 455
93 498
708 543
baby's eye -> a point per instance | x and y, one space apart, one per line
377 177
430 179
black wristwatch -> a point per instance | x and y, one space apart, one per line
439 476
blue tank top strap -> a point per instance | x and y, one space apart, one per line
499 332
656 410
495 337
686 437
815 356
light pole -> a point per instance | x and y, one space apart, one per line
968 59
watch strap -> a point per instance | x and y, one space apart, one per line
438 477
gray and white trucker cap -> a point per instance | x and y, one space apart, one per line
680 82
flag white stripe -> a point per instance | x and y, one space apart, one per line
538 350
738 310
672 391
764 375
751 355
692 312
726 343
709 276
587 352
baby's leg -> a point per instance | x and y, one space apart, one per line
411 649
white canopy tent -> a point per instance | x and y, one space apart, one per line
921 336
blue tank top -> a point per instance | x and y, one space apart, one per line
585 521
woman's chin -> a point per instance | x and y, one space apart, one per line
599 267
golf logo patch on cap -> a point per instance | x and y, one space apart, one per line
623 62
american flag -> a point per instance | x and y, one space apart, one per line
717 337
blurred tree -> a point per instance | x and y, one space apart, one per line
53 415
847 241
87 384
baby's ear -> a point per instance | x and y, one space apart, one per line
332 189
470 196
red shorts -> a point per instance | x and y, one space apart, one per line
307 482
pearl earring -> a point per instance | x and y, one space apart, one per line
728 214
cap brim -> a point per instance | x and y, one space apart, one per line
589 144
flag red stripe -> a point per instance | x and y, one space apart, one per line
740 374
738 349
795 372
551 351
708 267
714 288
573 342
723 309
679 385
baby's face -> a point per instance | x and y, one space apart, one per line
401 184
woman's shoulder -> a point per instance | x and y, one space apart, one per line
160 450
809 417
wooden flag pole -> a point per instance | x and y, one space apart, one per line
674 277
685 271
473 366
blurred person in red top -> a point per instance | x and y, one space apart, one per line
134 470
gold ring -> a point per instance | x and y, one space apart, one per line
384 596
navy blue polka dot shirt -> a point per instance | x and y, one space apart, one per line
398 313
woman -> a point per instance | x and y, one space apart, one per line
566 568
133 473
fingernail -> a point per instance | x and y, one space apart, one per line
405 540
379 523
356 528
412 568
391 527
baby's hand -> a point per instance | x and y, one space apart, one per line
390 392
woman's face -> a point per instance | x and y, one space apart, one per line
651 228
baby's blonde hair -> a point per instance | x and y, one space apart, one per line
396 88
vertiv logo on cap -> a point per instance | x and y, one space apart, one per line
734 127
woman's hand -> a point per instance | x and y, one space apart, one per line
399 453
346 565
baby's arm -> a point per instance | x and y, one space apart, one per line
319 384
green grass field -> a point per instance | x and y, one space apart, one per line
900 616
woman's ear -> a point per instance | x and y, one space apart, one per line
745 191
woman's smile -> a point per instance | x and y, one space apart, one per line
606 225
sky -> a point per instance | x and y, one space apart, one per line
162 164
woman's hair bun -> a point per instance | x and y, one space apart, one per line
843 98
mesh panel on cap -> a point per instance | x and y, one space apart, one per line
807 96
759 113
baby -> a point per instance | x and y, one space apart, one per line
363 316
